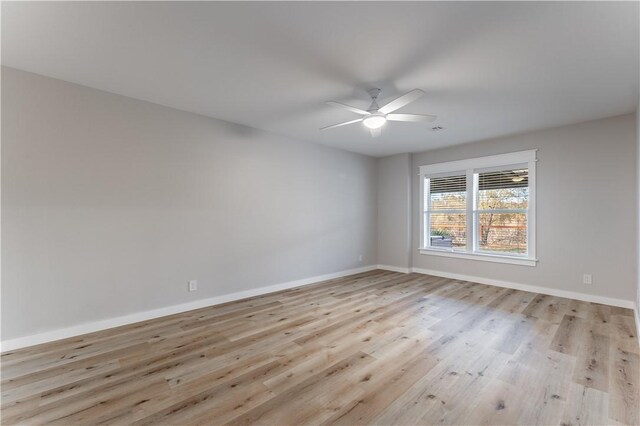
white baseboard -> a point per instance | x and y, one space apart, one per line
524 287
394 268
63 333
531 288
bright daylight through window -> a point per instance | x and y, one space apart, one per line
480 208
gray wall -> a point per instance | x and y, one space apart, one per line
130 200
586 208
110 205
638 217
394 211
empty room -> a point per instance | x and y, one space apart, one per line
306 213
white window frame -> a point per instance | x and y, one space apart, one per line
524 159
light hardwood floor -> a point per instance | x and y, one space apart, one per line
375 348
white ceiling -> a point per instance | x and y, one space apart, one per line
488 69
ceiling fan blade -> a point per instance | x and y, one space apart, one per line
375 132
411 117
348 108
341 124
403 100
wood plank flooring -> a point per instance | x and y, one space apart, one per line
374 348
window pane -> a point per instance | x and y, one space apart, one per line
507 189
448 230
502 232
449 193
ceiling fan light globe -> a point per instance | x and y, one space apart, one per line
374 121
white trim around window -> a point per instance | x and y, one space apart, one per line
471 168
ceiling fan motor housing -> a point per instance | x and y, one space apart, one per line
374 93
374 98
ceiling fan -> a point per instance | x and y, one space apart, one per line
376 117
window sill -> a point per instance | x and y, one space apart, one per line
512 260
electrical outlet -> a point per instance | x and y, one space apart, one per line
193 285
360 258
587 279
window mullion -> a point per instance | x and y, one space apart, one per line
476 208
426 220
470 202
531 211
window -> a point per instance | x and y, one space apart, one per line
447 211
501 211
480 208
